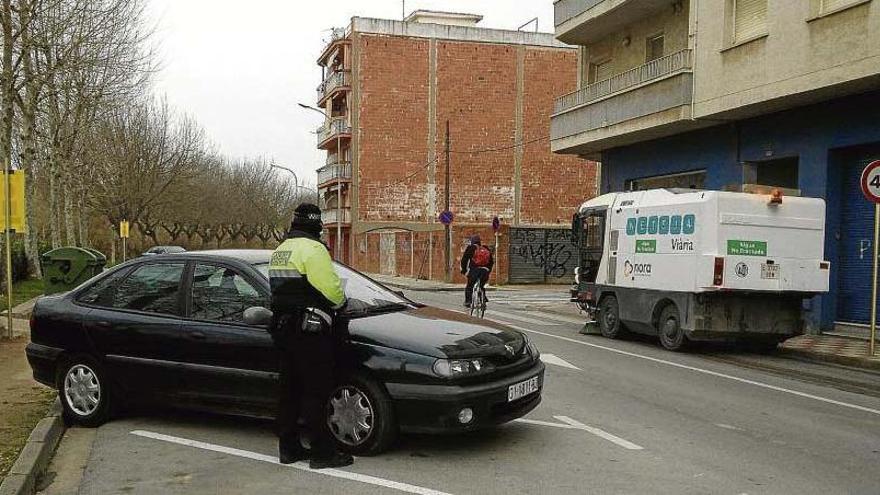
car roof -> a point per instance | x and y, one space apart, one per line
249 256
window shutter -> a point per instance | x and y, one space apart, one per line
604 71
749 19
830 5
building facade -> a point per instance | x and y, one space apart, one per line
396 92
719 94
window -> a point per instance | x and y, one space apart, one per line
776 173
826 6
600 71
222 294
749 19
152 288
654 48
103 291
684 180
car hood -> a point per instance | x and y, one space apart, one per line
437 332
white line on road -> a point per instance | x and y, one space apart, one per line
600 433
558 361
334 473
564 319
570 424
523 319
707 372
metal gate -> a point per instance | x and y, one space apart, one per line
541 256
856 251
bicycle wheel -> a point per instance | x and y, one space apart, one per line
475 293
479 295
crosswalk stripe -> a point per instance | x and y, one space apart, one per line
557 361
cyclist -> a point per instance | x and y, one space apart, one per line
476 263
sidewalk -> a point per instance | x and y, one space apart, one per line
833 348
23 402
435 286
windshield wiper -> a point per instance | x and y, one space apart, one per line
383 307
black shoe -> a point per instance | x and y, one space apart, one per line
292 455
336 460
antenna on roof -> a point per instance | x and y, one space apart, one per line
535 20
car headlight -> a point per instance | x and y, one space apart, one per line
453 368
532 348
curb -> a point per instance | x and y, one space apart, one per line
36 454
853 361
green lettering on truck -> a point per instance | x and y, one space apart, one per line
746 248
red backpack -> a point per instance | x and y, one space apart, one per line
481 256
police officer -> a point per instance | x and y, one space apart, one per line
306 293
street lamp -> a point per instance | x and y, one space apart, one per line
337 245
295 177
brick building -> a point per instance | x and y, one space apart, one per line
390 88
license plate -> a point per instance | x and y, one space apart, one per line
522 389
770 272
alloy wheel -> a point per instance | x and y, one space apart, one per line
351 416
82 390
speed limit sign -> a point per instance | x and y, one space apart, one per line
871 181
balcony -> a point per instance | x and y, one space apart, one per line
646 102
330 215
333 129
337 37
582 22
336 172
336 81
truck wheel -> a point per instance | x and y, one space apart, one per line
609 318
669 329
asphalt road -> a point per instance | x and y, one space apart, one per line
617 417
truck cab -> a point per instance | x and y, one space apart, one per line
690 265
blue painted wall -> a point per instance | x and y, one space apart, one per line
818 135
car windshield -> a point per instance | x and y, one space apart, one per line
364 295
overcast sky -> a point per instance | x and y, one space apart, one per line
240 67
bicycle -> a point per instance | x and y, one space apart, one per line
478 293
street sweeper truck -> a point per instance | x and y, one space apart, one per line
689 265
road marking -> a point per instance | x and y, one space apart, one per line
523 319
558 361
564 319
707 372
302 466
570 424
600 433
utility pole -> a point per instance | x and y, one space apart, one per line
448 225
8 206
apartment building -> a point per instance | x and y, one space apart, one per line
719 94
392 90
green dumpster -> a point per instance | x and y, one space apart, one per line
66 268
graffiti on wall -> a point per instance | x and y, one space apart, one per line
538 254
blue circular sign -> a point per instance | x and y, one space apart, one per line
446 217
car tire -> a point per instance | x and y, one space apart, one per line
669 329
609 318
358 396
84 392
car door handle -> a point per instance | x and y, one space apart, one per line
197 335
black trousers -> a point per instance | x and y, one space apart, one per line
474 275
306 382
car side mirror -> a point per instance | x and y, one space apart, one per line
258 316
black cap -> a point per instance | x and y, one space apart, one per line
307 218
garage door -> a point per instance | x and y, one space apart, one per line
856 235
541 256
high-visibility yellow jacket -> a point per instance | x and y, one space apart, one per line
301 275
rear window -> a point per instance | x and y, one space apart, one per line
153 288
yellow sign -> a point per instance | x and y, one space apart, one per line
123 229
18 218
